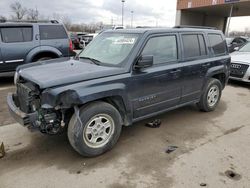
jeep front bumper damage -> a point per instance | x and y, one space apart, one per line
21 117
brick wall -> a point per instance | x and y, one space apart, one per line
183 4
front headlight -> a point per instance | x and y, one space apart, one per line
16 77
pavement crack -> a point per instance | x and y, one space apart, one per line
230 131
233 130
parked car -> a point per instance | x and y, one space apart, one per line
25 42
86 39
75 41
235 43
123 76
240 69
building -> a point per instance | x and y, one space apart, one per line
213 13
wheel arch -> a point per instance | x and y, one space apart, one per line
43 50
218 72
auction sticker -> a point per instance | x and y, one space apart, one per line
125 41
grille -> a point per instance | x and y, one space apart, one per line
238 70
24 97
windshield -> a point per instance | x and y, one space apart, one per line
245 48
110 48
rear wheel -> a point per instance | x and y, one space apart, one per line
211 95
96 129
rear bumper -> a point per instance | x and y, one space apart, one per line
21 117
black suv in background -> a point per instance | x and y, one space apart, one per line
25 42
122 76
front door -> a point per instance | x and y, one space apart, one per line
157 88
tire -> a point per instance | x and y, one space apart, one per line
211 95
44 58
98 131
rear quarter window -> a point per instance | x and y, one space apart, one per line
48 32
217 43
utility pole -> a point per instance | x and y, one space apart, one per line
123 1
229 20
132 15
112 21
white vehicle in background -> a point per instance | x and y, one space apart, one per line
86 39
240 64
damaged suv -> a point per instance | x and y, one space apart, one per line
123 76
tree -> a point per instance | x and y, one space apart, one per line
32 14
67 22
18 10
2 18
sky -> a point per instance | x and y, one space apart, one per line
146 12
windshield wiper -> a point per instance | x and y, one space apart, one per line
95 61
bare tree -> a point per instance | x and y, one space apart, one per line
67 22
32 14
2 18
18 10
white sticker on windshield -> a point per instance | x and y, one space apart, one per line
124 41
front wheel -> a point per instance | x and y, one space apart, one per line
95 130
211 95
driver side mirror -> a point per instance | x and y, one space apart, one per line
144 61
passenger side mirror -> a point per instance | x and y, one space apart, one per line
144 61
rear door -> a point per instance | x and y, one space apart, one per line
16 42
195 61
54 36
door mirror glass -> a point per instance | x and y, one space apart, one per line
144 61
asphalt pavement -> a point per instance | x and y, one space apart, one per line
207 150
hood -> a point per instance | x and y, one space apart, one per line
64 71
243 57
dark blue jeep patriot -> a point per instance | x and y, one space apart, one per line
122 76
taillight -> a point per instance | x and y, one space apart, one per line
71 45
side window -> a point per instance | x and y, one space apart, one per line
191 46
17 34
27 34
52 32
12 35
163 48
217 43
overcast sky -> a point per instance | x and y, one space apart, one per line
146 12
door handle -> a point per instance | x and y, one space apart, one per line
37 37
175 71
206 65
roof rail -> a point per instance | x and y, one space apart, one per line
29 21
195 27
